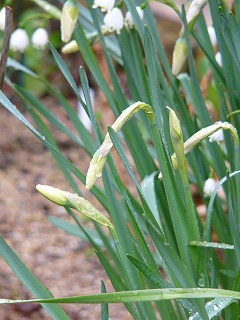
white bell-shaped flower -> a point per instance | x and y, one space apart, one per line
212 35
19 40
209 187
40 38
105 5
113 21
217 136
2 18
129 18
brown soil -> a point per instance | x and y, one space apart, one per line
66 265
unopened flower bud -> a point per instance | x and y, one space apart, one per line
100 157
113 21
68 20
194 9
70 47
19 40
2 18
40 38
68 199
209 187
202 134
129 18
105 5
177 141
179 55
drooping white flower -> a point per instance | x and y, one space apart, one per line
209 187
217 136
218 58
19 40
105 5
212 36
113 21
40 38
2 18
129 18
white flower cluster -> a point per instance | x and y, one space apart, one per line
19 40
114 20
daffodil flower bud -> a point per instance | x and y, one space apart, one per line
68 20
202 134
113 21
129 18
105 5
179 55
209 187
19 40
68 199
40 38
72 46
177 138
194 10
100 157
2 18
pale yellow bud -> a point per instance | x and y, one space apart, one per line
70 47
194 10
99 158
53 194
68 199
68 20
179 55
202 134
177 141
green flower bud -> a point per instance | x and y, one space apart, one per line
177 141
179 55
68 199
53 194
68 20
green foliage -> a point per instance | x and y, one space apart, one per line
159 212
